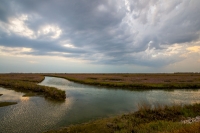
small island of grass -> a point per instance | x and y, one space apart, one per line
3 104
29 82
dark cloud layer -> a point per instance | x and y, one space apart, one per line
105 32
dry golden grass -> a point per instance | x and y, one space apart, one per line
186 128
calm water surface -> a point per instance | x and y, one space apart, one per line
83 103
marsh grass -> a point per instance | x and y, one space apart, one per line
189 128
28 82
136 81
112 79
92 78
161 119
3 104
30 94
158 126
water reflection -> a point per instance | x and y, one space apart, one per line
24 98
83 103
31 114
9 95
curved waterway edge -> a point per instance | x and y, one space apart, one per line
83 103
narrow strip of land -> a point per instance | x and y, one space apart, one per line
137 81
3 104
29 82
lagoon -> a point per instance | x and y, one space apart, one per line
83 103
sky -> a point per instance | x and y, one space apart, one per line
99 36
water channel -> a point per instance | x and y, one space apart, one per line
83 103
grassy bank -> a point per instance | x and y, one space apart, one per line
161 119
137 81
28 82
3 104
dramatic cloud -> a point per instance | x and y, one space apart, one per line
150 33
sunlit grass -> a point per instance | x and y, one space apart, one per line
161 119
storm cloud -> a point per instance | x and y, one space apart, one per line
150 33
